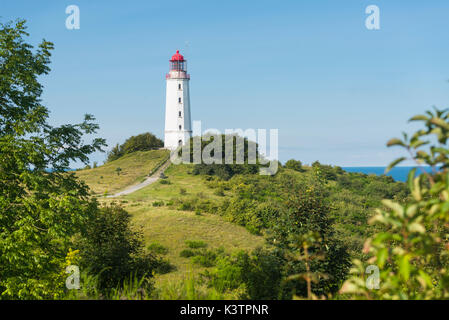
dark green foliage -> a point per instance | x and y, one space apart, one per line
196 244
158 203
206 258
294 165
220 168
142 142
257 275
186 253
111 250
157 248
41 206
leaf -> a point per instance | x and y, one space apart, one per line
394 163
404 267
424 279
396 207
382 256
395 142
419 117
416 227
440 123
410 177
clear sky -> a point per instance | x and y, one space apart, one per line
335 90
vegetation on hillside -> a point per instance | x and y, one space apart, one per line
142 142
123 172
245 235
43 208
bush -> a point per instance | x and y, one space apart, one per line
196 244
157 248
256 276
207 258
142 142
111 250
186 253
294 165
158 203
411 250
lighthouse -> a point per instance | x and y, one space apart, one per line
178 127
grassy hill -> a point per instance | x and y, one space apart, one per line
170 212
164 225
135 167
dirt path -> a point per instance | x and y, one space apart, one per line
149 180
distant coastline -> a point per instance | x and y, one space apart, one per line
398 173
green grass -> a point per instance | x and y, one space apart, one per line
175 230
135 167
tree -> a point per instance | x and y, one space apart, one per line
307 211
411 252
113 251
294 165
41 205
142 142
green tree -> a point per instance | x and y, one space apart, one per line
113 251
412 250
306 210
142 142
41 205
294 165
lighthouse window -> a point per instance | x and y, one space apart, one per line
179 113
179 86
179 100
179 127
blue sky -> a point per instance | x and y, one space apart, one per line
335 90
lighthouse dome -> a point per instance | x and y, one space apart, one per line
177 57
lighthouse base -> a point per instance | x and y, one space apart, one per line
174 139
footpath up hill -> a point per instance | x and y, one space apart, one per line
134 167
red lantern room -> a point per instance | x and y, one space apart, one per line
177 62
178 67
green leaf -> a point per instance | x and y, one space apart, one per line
416 227
419 117
440 122
382 256
404 267
395 142
394 163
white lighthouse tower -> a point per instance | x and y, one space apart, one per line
178 127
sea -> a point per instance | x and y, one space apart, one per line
397 173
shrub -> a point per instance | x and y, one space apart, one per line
196 244
111 250
207 258
186 253
257 276
411 250
219 192
294 165
142 142
158 203
157 248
